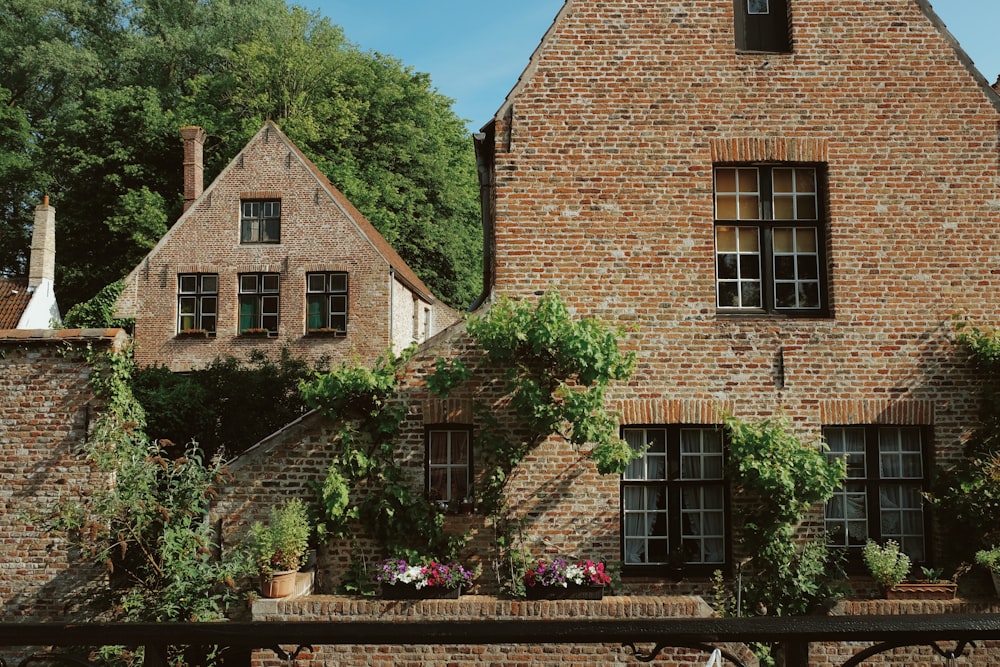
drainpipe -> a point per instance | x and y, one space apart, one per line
392 307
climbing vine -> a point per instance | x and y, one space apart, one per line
149 528
779 479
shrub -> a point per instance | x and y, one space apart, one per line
887 564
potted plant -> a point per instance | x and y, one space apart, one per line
889 567
887 564
278 546
403 580
559 579
990 559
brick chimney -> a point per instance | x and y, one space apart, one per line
194 167
42 265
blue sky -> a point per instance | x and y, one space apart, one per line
474 50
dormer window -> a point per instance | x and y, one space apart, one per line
260 221
762 25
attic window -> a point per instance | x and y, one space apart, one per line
260 221
762 25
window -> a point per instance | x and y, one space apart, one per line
769 240
881 498
673 498
326 299
260 221
197 302
449 464
259 303
762 25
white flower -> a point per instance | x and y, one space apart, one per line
574 573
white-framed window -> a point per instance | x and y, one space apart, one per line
197 302
769 240
260 221
259 303
882 497
673 498
326 301
449 463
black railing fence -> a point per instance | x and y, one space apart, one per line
949 635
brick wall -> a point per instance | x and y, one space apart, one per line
604 191
46 405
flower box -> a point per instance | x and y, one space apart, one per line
189 334
326 333
256 333
569 592
407 592
922 590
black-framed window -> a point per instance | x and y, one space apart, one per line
673 499
326 301
882 497
449 463
260 221
769 240
762 25
259 303
197 302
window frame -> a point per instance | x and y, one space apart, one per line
261 227
872 484
257 297
673 485
448 466
765 223
199 295
326 297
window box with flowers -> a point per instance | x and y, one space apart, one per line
402 580
256 333
189 334
559 579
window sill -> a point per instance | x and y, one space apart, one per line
194 335
326 333
258 334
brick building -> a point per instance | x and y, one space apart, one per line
786 203
272 254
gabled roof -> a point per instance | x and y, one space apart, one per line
402 270
14 298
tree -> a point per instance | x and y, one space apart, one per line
94 92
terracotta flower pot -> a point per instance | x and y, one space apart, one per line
278 584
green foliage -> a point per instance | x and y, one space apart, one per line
227 405
98 312
149 528
968 491
779 479
365 483
989 558
279 544
446 376
887 563
93 94
557 371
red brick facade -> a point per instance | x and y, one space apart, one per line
320 231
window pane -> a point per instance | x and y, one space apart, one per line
728 267
208 323
729 295
757 7
187 305
749 207
725 180
187 284
784 267
805 239
784 295
338 282
749 266
725 239
750 295
782 180
208 305
316 282
437 487
315 312
748 180
749 239
725 207
338 322
805 207
210 284
805 180
784 208
269 282
187 322
248 283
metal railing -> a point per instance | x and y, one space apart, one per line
794 634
